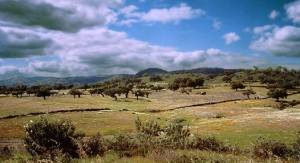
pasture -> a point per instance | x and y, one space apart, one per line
240 121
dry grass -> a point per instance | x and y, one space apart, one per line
244 121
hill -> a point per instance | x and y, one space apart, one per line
206 70
50 81
151 71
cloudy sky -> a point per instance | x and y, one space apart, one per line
87 37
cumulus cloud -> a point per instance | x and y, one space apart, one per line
231 37
22 43
283 41
165 15
273 14
64 15
174 14
293 11
263 30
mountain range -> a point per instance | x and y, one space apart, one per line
80 80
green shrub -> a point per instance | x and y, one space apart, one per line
46 137
264 148
124 145
94 146
296 148
209 143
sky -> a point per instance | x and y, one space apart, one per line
90 37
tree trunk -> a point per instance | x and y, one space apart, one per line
74 95
78 95
137 97
116 98
126 95
44 97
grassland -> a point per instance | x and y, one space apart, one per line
240 122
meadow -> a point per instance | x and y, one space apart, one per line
223 113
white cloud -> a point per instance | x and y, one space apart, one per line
273 14
293 11
174 14
165 15
128 11
283 41
216 24
231 37
263 30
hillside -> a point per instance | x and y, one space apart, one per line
151 71
206 70
50 81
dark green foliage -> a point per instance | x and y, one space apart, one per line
173 86
75 92
151 71
155 78
44 137
209 143
249 92
43 92
296 148
277 93
94 146
264 149
124 145
237 85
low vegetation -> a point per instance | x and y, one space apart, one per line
250 115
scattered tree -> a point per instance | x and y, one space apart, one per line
249 92
237 85
277 93
43 92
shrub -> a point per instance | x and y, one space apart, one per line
44 137
209 143
124 145
94 146
264 148
296 148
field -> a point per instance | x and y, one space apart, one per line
242 122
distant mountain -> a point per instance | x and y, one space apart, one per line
50 81
151 71
206 70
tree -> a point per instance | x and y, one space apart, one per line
249 92
75 92
277 93
199 82
155 78
227 79
126 89
59 87
237 85
173 86
112 92
138 93
43 92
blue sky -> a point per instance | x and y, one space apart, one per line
84 37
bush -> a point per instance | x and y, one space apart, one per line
264 149
209 143
124 145
46 137
296 148
94 146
